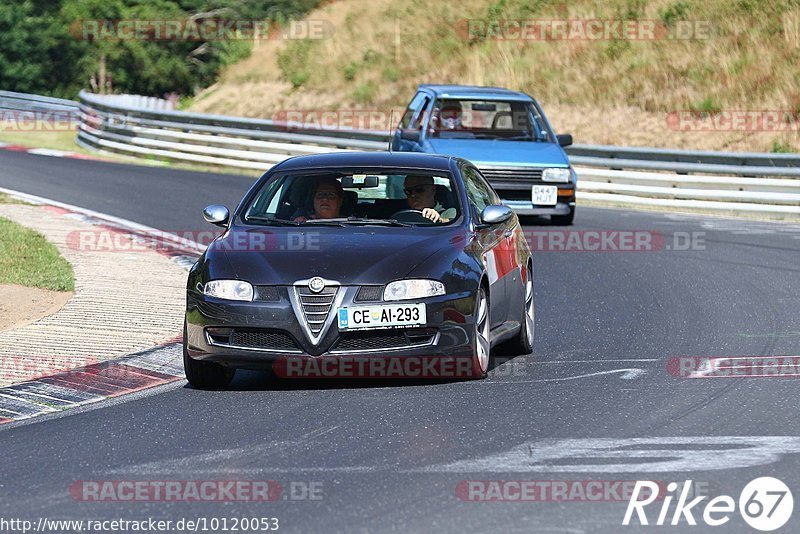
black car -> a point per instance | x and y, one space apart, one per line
360 257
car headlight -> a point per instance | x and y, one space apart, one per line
412 289
229 290
556 175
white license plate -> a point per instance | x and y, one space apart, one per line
545 195
383 316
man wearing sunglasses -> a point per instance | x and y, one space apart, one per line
328 197
421 193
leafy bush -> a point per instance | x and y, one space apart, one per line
350 71
293 61
43 50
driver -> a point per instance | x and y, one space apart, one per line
328 196
421 194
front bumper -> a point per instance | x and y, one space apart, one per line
449 331
522 207
518 197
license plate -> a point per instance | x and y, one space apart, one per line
384 316
545 195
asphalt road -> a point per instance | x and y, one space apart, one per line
595 400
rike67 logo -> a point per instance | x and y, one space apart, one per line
765 504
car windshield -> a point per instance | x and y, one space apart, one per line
487 119
356 197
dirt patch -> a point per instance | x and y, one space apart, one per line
21 305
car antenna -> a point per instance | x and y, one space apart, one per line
391 137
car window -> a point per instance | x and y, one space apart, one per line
365 195
479 192
487 119
415 105
419 118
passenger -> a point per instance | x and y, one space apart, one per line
450 116
328 196
421 193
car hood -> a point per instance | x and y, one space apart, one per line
497 152
350 255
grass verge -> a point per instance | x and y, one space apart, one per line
5 199
28 259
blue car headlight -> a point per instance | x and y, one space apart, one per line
412 289
229 290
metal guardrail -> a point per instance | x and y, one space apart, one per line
761 196
209 139
12 101
723 181
640 154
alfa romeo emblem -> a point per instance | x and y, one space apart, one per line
316 284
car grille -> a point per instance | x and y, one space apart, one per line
369 294
266 294
521 174
254 338
385 339
316 306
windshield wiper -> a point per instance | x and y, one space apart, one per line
322 222
272 220
380 222
518 138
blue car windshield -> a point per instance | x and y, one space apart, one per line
348 197
487 119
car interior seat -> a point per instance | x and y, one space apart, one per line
444 197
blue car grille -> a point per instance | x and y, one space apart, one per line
513 174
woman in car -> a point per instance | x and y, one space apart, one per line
328 196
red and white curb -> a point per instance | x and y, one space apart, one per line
113 378
47 152
92 383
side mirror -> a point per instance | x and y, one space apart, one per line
496 214
564 139
410 135
216 214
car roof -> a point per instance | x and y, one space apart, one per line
474 91
408 160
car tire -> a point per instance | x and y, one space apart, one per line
563 220
482 352
205 375
522 343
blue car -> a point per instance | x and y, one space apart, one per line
505 134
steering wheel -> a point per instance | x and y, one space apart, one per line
410 216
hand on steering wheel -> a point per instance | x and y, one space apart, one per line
410 216
432 214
